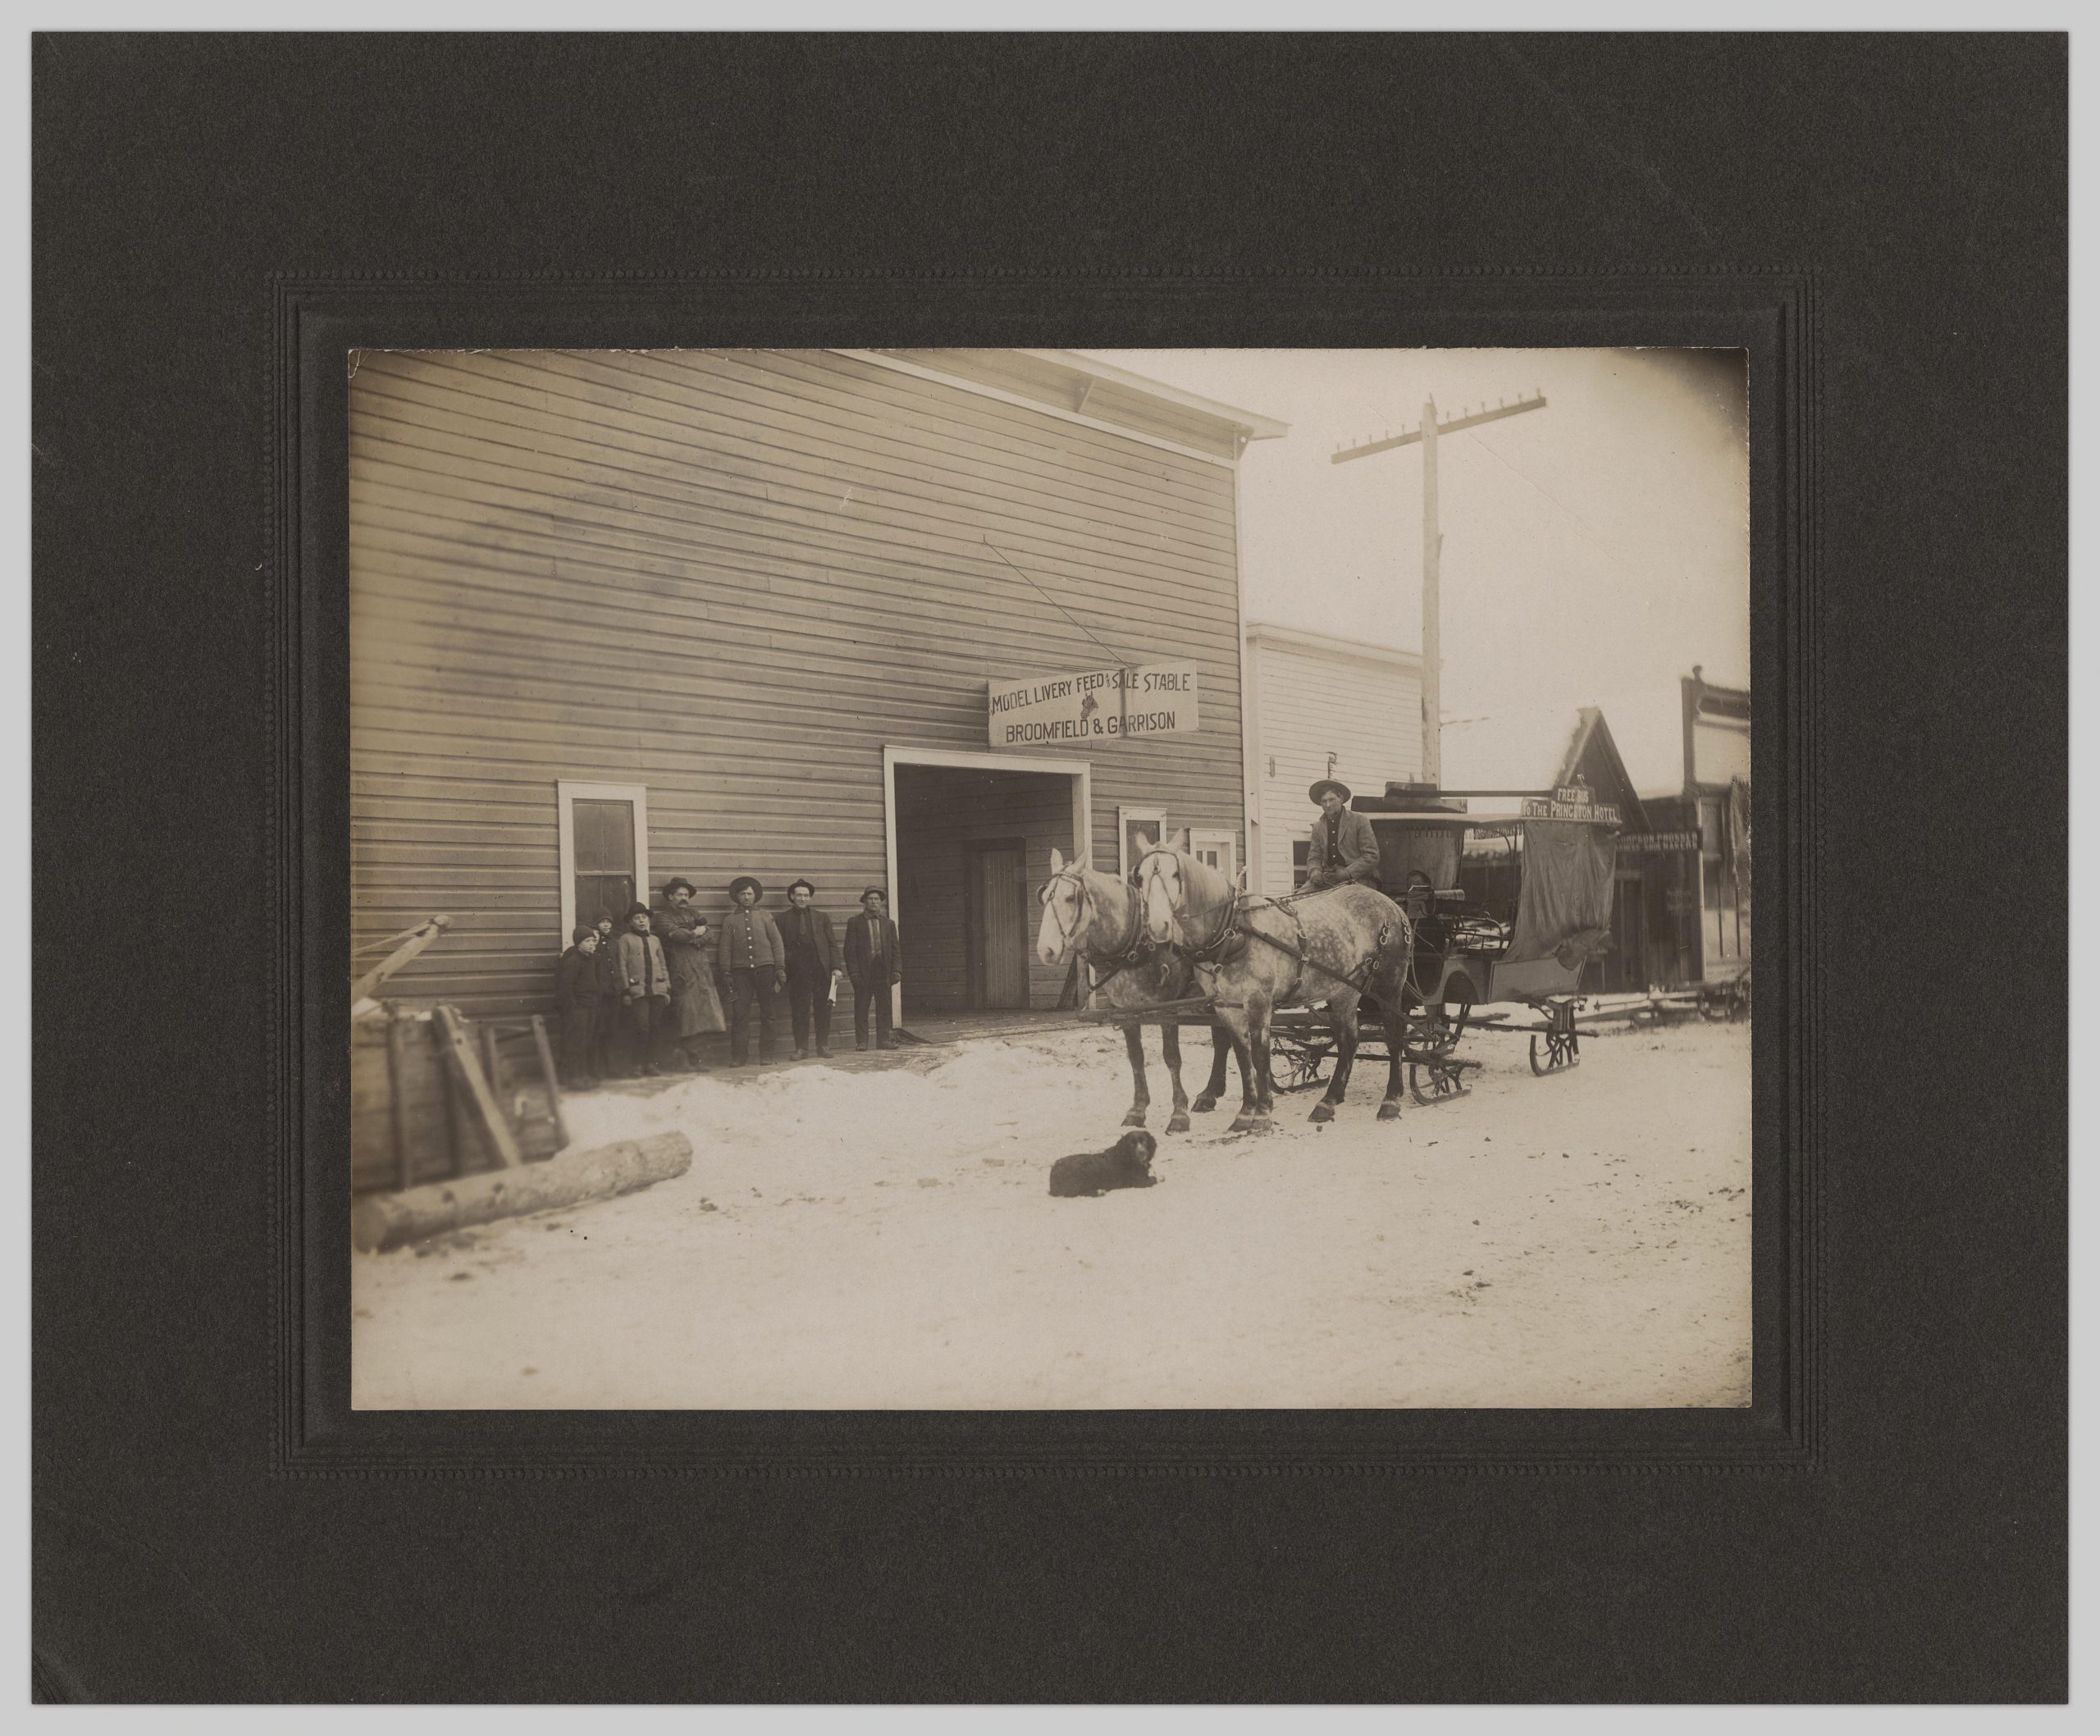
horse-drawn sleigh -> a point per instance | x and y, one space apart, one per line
1304 984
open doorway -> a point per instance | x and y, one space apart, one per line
970 842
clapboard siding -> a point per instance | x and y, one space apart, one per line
1315 701
733 579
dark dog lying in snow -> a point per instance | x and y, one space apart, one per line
1087 1174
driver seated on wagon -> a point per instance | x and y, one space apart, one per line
1342 848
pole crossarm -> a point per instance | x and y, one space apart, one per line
1451 426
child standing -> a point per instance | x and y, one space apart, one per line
576 1005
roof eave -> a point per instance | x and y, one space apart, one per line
1254 426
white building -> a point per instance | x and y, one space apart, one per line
1320 707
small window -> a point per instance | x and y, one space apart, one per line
1219 848
1138 829
604 850
1301 860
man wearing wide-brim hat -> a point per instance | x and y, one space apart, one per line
1343 848
751 958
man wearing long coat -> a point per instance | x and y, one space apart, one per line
689 948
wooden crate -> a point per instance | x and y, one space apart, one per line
412 1122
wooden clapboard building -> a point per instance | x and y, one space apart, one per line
1320 707
617 617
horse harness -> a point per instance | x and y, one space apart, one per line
1135 948
1230 941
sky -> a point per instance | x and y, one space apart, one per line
1599 546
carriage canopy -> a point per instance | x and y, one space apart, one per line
1563 902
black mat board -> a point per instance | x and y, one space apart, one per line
1880 222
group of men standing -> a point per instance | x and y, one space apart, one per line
636 998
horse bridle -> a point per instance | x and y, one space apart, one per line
1211 951
1133 947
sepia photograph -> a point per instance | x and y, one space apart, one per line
1007 879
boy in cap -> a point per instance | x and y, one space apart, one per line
873 961
751 957
576 1007
645 993
812 949
1343 848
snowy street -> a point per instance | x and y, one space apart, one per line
884 1239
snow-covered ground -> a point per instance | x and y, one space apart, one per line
884 1239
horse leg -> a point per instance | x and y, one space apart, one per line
1395 1008
1169 1049
1133 1039
1220 1047
1236 1025
1258 1033
1341 1021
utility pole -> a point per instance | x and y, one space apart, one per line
1432 554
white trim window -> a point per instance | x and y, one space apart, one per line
605 850
1217 845
1138 830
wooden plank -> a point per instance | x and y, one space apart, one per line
547 1073
459 1056
397 1042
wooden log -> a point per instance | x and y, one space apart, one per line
383 1221
361 988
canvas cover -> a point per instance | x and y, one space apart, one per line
1564 904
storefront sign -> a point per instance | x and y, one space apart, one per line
1656 844
1097 704
1600 813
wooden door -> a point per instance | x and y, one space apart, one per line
1002 927
1626 966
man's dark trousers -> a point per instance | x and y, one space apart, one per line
877 996
754 983
808 993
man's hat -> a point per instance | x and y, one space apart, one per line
874 892
1324 784
741 881
804 885
673 885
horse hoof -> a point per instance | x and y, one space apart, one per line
1135 1118
1321 1113
1204 1104
1389 1111
1179 1124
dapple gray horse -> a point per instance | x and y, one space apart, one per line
1253 955
1094 916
